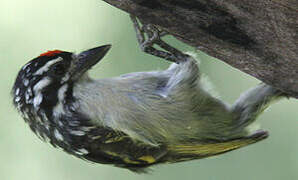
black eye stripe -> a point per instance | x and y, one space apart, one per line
59 68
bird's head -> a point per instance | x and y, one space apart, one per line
44 83
52 70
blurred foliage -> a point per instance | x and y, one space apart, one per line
29 27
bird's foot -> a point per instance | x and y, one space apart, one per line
149 35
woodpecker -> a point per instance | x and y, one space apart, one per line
135 120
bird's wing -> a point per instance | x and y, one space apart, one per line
111 147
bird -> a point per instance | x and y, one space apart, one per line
135 120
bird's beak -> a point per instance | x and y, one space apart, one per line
86 59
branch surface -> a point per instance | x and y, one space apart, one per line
258 37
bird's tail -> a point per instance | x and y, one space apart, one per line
183 152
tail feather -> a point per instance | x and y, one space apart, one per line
197 151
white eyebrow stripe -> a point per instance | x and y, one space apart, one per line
47 66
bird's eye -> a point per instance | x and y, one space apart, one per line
59 69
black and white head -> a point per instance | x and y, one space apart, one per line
43 90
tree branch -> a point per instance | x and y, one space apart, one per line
258 37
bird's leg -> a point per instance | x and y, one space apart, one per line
154 35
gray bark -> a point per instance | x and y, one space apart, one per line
258 37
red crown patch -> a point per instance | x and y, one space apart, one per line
50 53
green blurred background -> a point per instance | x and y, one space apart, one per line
29 27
